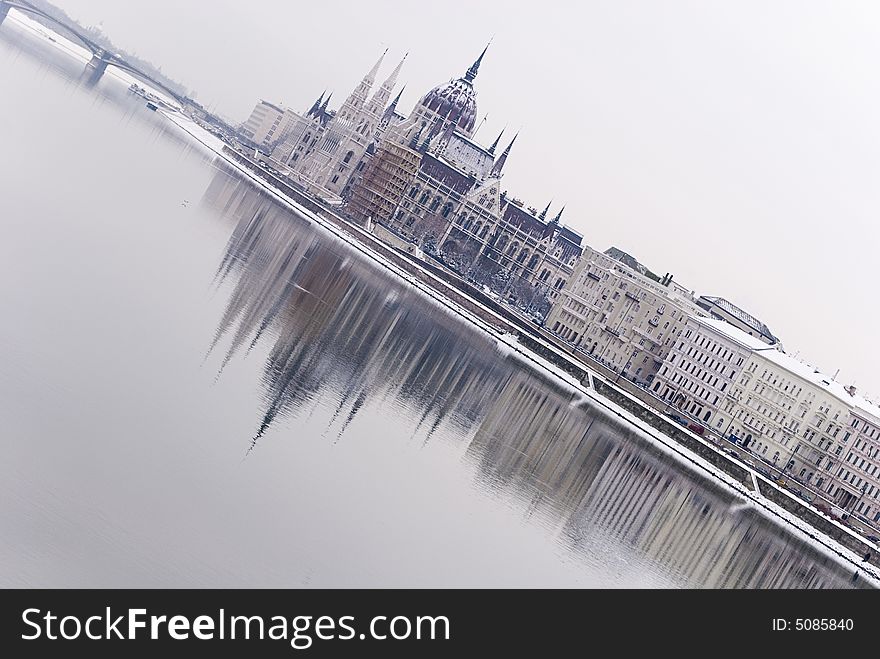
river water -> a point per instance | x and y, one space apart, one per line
199 388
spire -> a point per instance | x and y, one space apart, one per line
543 215
475 67
396 100
358 97
371 76
558 216
499 164
392 79
495 143
380 98
317 104
323 107
392 107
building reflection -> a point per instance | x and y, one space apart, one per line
338 328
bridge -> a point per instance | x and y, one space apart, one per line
101 58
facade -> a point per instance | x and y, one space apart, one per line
454 207
268 125
426 179
809 427
700 375
856 484
620 317
720 308
386 176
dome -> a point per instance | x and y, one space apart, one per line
455 101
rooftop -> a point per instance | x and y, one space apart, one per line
744 338
743 316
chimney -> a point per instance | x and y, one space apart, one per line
851 390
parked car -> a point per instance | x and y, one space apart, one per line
697 428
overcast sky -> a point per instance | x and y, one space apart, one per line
735 144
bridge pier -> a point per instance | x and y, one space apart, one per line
94 70
97 65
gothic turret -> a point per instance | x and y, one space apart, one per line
499 164
378 101
358 97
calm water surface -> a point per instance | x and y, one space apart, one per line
198 388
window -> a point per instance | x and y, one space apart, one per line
348 157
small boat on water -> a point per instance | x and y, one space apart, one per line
152 105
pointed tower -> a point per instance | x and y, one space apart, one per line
543 215
358 97
499 164
471 73
316 105
558 216
495 143
392 108
379 100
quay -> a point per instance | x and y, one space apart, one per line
534 343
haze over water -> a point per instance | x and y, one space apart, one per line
199 388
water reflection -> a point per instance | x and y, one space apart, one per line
340 329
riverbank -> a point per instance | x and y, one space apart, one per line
542 351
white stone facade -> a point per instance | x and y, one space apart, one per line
619 316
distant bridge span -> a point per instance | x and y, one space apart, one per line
101 58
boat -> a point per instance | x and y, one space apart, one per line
152 105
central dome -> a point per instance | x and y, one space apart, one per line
455 101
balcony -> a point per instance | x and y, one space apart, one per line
592 275
632 296
611 330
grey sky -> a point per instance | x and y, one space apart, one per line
734 144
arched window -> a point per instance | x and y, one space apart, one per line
477 228
544 274
295 157
707 415
306 138
461 218
348 156
469 223
484 231
424 197
413 191
447 209
523 255
512 249
502 241
560 282
435 204
533 262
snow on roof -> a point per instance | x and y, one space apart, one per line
823 381
734 333
744 316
